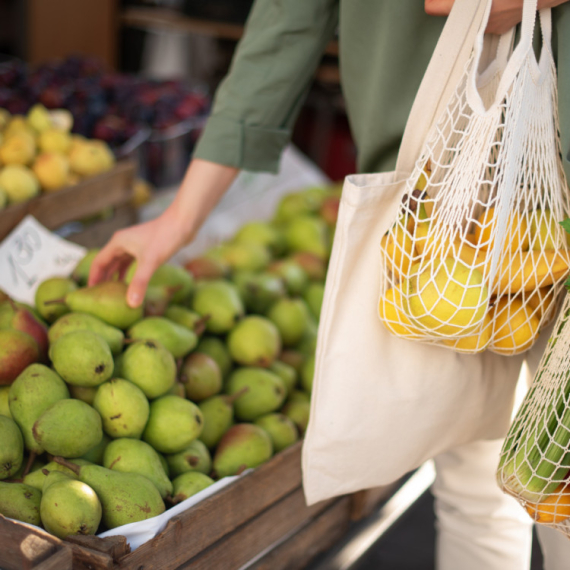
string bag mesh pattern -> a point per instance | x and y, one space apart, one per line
534 465
476 258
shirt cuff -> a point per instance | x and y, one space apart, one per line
232 143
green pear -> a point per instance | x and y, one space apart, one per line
259 290
313 296
201 376
48 295
282 431
71 322
254 341
164 463
265 392
314 266
32 393
84 393
123 407
287 374
171 276
218 414
82 358
70 507
125 497
148 365
242 256
118 369
204 268
174 337
188 484
262 233
20 502
106 301
299 396
307 373
17 351
173 423
4 402
298 411
220 301
310 234
216 349
96 453
37 477
52 477
80 273
243 446
133 456
291 317
195 457
186 318
308 343
298 204
12 449
293 358
156 300
68 428
293 275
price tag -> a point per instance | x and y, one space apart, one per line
30 254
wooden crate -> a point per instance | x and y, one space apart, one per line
261 520
91 196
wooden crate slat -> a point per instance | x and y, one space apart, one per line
220 514
113 546
315 537
109 189
242 545
22 546
61 560
88 559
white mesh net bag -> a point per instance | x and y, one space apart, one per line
535 459
476 257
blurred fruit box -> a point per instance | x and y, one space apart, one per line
89 197
259 520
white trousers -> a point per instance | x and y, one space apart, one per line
478 526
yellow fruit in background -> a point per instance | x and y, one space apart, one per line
5 117
39 118
544 230
391 312
52 170
61 119
18 148
142 192
398 250
90 158
447 296
3 199
54 140
476 342
514 326
76 141
517 235
19 183
18 124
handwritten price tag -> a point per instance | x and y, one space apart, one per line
30 254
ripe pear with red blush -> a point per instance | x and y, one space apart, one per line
19 318
17 351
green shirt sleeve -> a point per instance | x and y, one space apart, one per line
257 103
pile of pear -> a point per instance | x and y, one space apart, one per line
111 414
457 290
38 153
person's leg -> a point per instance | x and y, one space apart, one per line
478 526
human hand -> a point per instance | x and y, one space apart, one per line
149 244
504 13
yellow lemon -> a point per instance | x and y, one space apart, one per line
447 296
544 230
392 314
474 343
517 236
514 326
540 301
398 250
554 509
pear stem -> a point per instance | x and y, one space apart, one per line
200 324
60 301
233 397
31 459
75 468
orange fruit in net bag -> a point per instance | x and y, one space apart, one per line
554 509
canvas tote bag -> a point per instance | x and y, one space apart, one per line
382 405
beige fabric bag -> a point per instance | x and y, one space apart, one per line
382 405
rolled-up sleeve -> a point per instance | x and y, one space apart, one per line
257 103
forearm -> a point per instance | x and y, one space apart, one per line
202 188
